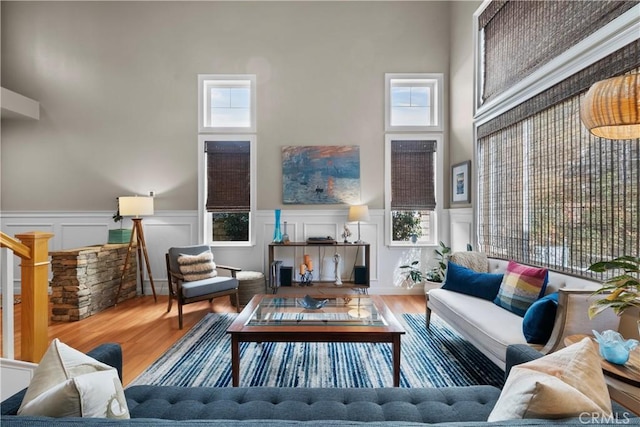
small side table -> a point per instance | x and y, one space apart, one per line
623 380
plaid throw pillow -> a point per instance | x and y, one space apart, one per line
197 267
521 286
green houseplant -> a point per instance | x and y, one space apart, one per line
437 273
623 290
413 275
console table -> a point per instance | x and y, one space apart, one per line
365 247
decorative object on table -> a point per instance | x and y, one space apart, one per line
306 276
623 289
461 182
611 110
437 274
320 174
358 213
306 271
613 347
337 272
137 206
311 303
346 233
277 233
119 235
285 236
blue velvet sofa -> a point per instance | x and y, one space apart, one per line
271 406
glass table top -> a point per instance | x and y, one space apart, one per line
352 310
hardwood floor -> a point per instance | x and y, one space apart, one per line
145 330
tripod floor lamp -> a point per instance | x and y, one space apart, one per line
135 207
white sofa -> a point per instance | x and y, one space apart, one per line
491 328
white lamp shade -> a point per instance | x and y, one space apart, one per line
358 213
135 206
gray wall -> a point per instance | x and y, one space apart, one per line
461 86
117 85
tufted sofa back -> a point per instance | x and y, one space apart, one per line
556 280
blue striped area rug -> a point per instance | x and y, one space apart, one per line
437 357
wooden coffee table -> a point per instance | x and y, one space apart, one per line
345 318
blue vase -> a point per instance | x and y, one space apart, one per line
277 234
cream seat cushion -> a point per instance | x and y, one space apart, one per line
68 383
563 384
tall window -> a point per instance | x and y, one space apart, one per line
549 192
413 103
227 161
227 103
228 192
412 189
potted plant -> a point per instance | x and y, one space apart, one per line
437 273
623 290
119 235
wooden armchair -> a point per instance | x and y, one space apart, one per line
188 291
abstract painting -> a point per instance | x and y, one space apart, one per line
327 174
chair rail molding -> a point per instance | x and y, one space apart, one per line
180 228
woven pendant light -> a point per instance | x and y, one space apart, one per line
611 108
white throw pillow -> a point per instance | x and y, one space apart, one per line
563 384
68 383
197 267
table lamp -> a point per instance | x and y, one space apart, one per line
358 213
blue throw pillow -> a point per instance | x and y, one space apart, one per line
538 321
466 281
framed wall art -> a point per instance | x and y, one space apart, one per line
461 182
323 174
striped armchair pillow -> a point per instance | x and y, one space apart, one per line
197 267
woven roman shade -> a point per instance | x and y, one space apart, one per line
521 36
549 192
228 176
412 175
618 63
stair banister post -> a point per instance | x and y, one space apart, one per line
35 295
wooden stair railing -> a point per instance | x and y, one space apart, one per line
33 249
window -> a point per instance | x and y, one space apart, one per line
412 191
227 103
413 102
228 188
553 195
227 161
549 192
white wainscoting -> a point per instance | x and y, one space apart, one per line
178 228
461 229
